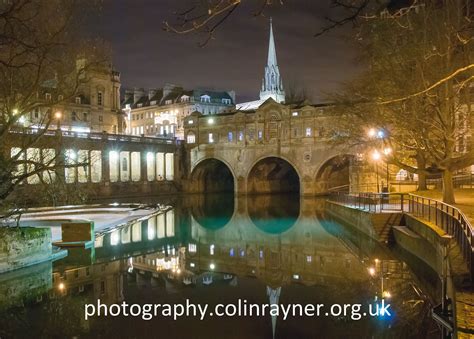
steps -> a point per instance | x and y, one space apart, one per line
383 222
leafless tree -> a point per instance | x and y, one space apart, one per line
416 88
43 63
206 16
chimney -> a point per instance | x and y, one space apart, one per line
168 88
151 93
232 95
137 94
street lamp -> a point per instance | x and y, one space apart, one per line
387 151
372 132
58 115
376 157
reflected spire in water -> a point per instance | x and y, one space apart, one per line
274 296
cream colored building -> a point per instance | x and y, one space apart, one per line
161 112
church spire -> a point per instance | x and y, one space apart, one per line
272 57
272 84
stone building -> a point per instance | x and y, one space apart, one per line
95 108
160 112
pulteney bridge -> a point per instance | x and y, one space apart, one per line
276 148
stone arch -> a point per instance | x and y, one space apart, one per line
212 175
273 174
334 174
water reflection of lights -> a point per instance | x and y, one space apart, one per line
115 238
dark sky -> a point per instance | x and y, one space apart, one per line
147 56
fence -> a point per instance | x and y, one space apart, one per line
371 202
447 217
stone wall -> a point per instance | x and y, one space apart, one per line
25 246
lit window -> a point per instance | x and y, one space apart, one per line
212 249
101 118
190 122
260 135
308 131
309 258
241 136
168 102
260 254
242 253
192 248
78 100
230 136
191 138
211 138
296 276
295 114
226 101
205 98
231 252
139 105
100 98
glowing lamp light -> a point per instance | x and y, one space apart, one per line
113 155
58 115
61 286
380 134
178 271
149 156
22 120
376 260
212 266
15 111
192 264
210 121
386 294
371 133
376 155
371 271
387 151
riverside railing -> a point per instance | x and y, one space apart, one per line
449 218
371 202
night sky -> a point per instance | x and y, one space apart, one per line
147 56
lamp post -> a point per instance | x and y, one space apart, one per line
387 151
58 115
376 158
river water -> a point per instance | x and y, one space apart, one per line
278 251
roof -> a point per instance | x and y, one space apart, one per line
174 95
250 105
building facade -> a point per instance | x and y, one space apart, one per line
161 112
94 108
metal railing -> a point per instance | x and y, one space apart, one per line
449 218
371 202
95 135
